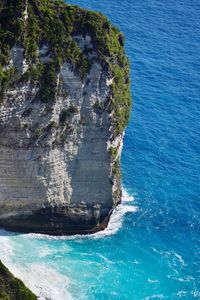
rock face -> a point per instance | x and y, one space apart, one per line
65 102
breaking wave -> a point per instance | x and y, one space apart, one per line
115 223
45 281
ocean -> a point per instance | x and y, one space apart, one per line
151 248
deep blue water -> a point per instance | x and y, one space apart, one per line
152 252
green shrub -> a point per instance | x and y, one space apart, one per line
113 152
38 132
98 106
51 125
12 288
116 169
66 113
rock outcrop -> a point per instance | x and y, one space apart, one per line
65 102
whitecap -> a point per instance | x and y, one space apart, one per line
180 259
159 296
181 294
196 294
184 279
105 259
152 280
116 220
126 196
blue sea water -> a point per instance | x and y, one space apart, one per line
151 249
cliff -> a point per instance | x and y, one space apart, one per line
13 288
64 104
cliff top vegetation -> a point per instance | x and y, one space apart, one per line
33 23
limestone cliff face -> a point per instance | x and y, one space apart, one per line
64 107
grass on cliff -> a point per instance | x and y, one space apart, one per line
12 288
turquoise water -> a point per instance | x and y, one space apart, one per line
151 247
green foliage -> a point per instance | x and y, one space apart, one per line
120 98
72 109
38 132
12 288
55 23
113 152
11 28
116 169
7 77
108 43
48 83
98 106
51 125
66 113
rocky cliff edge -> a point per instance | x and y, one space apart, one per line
64 104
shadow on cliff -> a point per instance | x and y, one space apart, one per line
4 232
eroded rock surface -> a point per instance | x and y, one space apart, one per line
59 154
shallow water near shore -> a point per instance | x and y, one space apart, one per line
151 248
61 267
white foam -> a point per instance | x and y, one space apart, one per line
116 220
44 281
152 280
45 251
196 294
115 223
6 250
180 259
126 197
181 294
175 257
159 296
